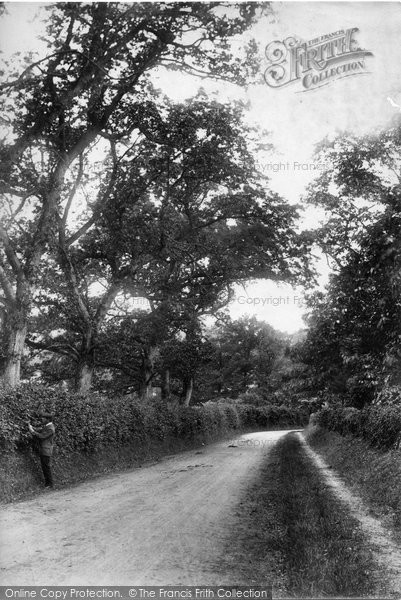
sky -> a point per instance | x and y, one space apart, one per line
295 119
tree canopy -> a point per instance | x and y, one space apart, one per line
90 91
111 191
354 339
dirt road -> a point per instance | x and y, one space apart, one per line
164 524
261 508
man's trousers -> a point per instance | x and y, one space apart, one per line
47 472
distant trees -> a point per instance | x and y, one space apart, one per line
244 353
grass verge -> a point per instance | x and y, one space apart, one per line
373 474
295 532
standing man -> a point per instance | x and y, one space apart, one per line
46 436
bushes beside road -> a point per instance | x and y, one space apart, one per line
89 423
97 434
270 416
379 425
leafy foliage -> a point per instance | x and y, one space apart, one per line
243 356
353 344
379 425
90 96
185 215
89 423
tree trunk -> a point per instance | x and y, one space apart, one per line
86 363
84 377
19 303
165 385
188 388
220 379
145 385
16 346
144 391
147 372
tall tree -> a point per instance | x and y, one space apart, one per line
354 340
187 216
92 85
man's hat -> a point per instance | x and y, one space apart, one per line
45 415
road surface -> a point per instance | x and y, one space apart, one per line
182 521
164 524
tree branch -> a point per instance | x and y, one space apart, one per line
10 252
73 191
62 348
100 201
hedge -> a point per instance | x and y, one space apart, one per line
87 424
379 425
